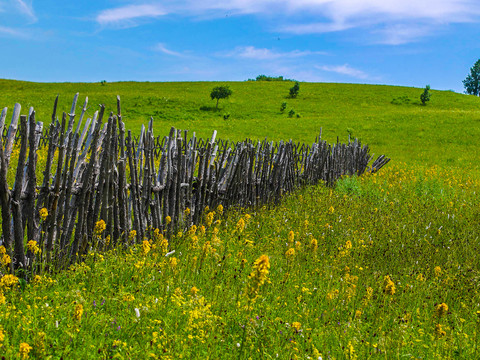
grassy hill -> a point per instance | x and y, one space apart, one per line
390 119
383 266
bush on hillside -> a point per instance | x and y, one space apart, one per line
294 90
425 95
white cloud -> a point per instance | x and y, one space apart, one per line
399 34
314 16
251 52
344 70
26 9
160 47
127 15
11 32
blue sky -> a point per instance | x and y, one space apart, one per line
394 42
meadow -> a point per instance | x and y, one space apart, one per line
381 266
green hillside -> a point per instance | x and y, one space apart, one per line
390 119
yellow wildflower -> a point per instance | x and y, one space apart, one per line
296 325
173 262
331 209
132 235
290 253
348 245
441 309
291 236
209 218
438 271
78 312
3 250
24 350
358 314
202 230
33 247
43 213
187 211
220 209
247 217
389 285
8 280
332 294
439 332
240 225
128 297
194 290
2 336
168 220
100 227
3 299
258 276
5 259
298 245
145 247
314 245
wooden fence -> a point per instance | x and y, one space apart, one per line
102 173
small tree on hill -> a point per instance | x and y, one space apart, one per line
472 81
294 90
220 92
425 95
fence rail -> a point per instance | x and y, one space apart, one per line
104 173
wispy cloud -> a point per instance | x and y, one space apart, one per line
251 52
344 70
314 16
160 47
11 32
26 9
128 16
399 34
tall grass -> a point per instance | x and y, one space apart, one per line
383 266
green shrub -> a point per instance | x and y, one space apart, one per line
294 90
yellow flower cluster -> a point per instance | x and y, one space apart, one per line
209 218
146 247
240 225
168 220
5 259
43 213
220 209
78 312
291 236
258 276
296 326
8 281
439 332
290 253
132 235
33 247
441 309
388 285
100 227
24 350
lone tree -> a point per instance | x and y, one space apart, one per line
220 92
294 90
472 81
425 95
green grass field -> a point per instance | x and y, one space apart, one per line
385 266
444 132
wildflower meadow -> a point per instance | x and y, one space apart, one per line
382 266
